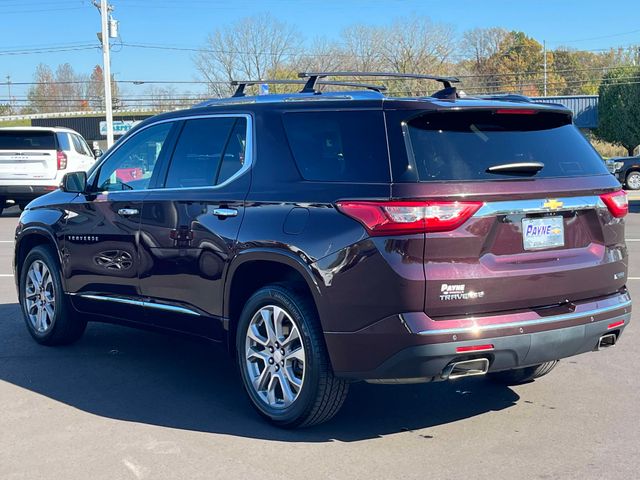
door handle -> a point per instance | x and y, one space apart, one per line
127 212
225 212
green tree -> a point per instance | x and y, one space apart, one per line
619 107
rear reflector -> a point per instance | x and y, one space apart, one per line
615 324
474 348
62 160
616 202
516 111
389 218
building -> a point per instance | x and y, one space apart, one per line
584 108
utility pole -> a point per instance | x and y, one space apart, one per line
9 88
544 50
104 37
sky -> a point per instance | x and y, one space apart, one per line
27 27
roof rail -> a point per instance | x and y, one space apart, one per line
313 77
242 84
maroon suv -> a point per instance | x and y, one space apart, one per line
333 236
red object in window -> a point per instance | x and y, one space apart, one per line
128 174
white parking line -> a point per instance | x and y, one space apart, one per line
6 275
632 239
6 241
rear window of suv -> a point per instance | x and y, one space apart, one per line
339 146
461 146
13 140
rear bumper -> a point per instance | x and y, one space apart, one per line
25 192
421 348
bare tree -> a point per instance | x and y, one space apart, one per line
95 89
480 44
482 48
417 45
361 47
42 94
254 47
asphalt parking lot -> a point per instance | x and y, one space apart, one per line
130 404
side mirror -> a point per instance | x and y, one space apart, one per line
74 182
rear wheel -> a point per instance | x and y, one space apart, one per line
283 360
47 313
522 375
633 181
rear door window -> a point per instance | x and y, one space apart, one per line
63 141
461 146
339 146
203 144
77 144
28 140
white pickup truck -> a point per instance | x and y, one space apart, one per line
33 161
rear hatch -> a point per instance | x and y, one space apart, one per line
28 155
534 228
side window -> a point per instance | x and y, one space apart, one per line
131 166
234 153
63 141
207 151
343 146
84 148
77 146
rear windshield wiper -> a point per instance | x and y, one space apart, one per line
519 167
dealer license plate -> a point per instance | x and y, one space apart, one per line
540 233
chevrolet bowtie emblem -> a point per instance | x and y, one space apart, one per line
553 204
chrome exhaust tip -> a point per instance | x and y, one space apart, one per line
608 340
466 368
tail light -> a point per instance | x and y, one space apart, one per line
616 202
61 157
516 111
388 218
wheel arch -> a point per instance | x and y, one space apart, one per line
30 238
254 269
632 168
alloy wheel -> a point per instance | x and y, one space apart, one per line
39 297
275 356
633 182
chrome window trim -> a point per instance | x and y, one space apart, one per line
139 303
510 207
248 151
525 323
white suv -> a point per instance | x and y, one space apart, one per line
33 161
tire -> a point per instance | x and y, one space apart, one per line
320 394
59 324
522 375
632 181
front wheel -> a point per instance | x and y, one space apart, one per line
46 310
633 181
522 375
283 361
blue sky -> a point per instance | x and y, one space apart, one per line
33 24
